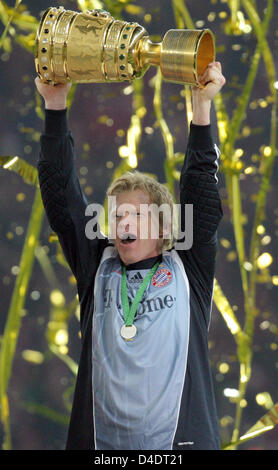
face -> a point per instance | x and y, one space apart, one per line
136 228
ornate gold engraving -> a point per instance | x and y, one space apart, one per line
94 47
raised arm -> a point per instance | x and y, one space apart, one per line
212 81
62 196
198 186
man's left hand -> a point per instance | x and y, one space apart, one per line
212 81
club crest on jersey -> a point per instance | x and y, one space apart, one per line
162 277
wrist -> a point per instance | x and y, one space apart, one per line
55 105
201 112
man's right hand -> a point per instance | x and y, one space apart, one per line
55 97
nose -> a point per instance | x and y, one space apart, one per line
123 225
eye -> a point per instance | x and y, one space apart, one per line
136 214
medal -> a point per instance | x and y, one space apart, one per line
129 330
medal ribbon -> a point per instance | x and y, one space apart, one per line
129 312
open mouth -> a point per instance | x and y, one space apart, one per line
127 239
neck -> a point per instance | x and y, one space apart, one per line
144 263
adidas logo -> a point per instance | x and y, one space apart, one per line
137 277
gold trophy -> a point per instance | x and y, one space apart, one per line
94 47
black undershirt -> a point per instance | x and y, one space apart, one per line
144 263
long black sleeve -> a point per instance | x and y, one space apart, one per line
198 186
63 198
198 183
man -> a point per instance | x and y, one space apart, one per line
144 379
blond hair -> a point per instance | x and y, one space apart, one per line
158 193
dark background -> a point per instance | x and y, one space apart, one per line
97 142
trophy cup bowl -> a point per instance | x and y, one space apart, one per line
94 47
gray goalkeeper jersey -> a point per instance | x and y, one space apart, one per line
137 385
